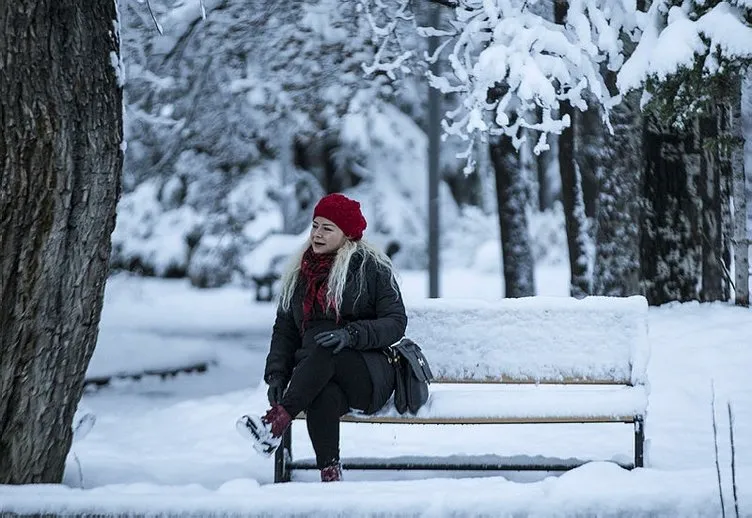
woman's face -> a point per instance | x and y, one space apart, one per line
326 237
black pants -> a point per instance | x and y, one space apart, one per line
326 386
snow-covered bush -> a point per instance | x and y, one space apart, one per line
170 229
151 239
213 261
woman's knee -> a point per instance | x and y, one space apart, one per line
330 399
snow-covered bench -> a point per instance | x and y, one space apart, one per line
515 361
265 264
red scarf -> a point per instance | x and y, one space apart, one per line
315 269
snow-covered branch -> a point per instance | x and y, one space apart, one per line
384 35
509 63
685 48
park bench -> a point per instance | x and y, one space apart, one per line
263 266
566 360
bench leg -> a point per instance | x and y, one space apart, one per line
639 441
283 457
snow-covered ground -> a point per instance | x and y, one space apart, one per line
169 446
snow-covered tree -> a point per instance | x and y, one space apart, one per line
263 106
688 64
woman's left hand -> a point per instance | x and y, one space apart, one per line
337 338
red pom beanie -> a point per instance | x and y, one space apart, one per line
343 212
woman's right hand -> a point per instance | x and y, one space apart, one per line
276 390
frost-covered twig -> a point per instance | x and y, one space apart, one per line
715 443
733 458
80 471
386 33
154 17
447 3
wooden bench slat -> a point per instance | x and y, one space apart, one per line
508 380
408 419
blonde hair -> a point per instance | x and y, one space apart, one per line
338 273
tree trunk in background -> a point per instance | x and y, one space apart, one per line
670 246
512 202
712 201
486 177
590 154
60 163
544 169
541 165
574 210
616 269
739 193
571 193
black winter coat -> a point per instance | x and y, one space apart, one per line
378 314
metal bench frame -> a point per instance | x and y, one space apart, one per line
284 463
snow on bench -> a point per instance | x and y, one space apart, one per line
536 339
527 360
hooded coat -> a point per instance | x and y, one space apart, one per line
374 308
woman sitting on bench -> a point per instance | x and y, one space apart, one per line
340 308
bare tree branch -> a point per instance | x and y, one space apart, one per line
446 3
154 17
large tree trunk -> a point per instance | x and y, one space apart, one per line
670 244
616 270
512 200
60 163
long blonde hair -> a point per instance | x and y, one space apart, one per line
338 273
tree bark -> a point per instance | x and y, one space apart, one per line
512 201
616 269
590 151
571 192
714 171
739 193
61 154
574 210
670 245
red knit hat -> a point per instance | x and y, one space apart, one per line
343 212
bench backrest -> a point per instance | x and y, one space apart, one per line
534 339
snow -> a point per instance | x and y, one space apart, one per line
169 446
533 338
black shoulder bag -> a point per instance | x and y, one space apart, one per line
413 376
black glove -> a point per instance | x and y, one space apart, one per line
276 390
337 338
